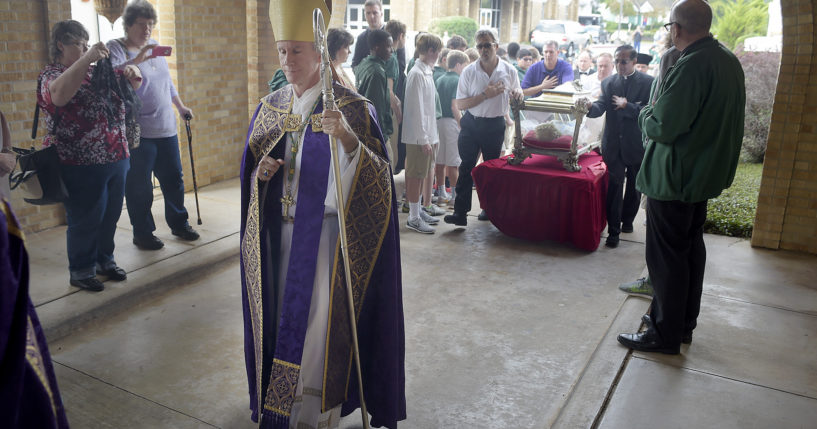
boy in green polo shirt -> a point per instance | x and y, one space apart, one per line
372 82
448 126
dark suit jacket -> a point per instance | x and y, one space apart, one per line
622 141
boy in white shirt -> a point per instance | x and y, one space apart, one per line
420 132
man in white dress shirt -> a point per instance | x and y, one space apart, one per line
484 92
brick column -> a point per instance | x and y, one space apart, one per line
787 204
212 60
25 26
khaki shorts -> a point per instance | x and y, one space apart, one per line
418 164
448 153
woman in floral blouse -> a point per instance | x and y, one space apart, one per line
92 148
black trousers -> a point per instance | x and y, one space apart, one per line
476 135
621 209
676 257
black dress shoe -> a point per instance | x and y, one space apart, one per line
685 339
483 215
114 273
456 219
186 233
148 242
612 241
627 227
647 341
91 284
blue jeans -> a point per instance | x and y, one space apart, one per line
93 207
160 156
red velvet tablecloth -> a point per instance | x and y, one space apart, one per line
539 200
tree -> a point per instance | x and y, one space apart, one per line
461 25
615 5
735 20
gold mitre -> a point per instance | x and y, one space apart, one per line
292 19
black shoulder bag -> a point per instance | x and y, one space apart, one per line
39 177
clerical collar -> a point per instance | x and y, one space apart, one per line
302 105
629 75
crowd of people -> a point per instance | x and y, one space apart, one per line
433 117
103 163
448 108
645 146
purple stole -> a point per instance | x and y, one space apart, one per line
309 214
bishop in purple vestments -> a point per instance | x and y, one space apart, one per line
298 343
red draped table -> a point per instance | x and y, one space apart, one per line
539 200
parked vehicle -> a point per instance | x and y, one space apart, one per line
620 37
597 34
570 35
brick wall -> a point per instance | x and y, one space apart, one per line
211 63
787 204
23 53
208 65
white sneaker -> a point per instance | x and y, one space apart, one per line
428 218
434 210
445 198
419 225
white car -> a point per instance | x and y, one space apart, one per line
571 36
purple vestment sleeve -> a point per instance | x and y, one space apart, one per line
28 387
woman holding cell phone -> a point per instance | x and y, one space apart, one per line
158 152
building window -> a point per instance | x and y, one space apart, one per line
355 18
99 28
489 13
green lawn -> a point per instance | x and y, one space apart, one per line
733 212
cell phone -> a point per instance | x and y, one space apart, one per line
162 51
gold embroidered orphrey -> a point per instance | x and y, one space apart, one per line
368 212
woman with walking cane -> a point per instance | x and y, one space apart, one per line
297 335
158 151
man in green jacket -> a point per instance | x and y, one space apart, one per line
694 130
372 80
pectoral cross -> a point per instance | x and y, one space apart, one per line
287 202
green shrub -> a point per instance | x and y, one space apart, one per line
462 25
760 71
733 212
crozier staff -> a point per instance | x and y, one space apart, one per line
289 253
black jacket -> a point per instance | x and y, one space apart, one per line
622 141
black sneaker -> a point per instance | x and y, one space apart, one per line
483 215
186 233
148 242
91 284
456 219
114 273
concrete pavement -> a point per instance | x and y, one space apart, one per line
500 333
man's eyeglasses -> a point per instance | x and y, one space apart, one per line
668 25
485 45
